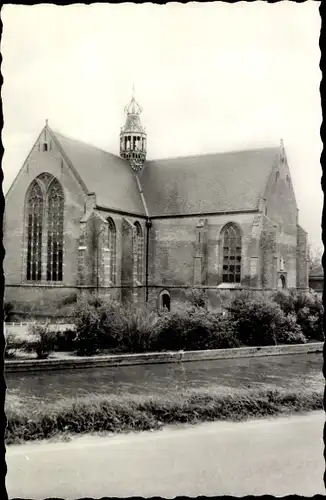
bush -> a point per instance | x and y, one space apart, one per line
258 321
68 300
193 329
290 332
136 329
223 334
309 311
87 320
43 342
8 309
251 319
197 297
65 341
12 345
186 329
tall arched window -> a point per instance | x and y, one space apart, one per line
55 214
231 241
34 233
112 244
139 246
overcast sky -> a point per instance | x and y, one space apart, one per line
210 77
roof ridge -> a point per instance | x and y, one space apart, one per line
231 151
57 132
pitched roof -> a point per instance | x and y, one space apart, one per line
207 183
220 182
105 174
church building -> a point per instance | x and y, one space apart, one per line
79 219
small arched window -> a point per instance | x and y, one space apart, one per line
165 301
231 241
112 244
55 215
34 214
140 251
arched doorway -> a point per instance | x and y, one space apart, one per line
165 301
281 283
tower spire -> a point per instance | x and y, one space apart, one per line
133 137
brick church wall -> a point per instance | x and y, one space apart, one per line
40 161
183 251
175 251
281 210
302 260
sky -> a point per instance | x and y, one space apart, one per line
210 77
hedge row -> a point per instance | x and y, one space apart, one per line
249 319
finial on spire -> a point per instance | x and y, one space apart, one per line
46 122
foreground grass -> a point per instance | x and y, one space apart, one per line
138 413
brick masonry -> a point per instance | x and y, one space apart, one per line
183 251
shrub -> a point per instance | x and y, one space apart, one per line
309 311
12 345
289 332
186 329
86 317
7 310
65 340
286 301
197 297
256 321
223 334
136 327
43 342
194 328
68 300
109 325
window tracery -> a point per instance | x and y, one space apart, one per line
34 233
44 219
139 248
55 214
112 244
231 240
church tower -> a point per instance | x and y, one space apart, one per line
133 137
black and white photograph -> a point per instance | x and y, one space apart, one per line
163 309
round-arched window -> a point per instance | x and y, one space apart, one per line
165 301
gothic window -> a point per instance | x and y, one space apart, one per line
55 214
34 233
231 241
139 247
112 239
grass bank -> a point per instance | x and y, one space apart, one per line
116 414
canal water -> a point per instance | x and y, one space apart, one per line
290 371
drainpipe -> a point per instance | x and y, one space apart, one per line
148 226
97 260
